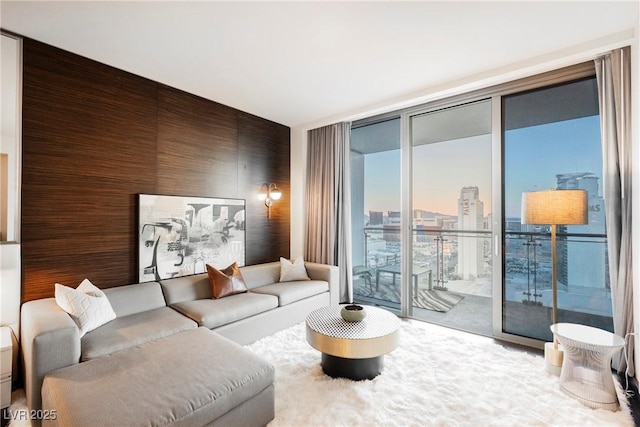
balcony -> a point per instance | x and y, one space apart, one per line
452 281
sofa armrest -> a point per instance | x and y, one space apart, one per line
50 340
328 273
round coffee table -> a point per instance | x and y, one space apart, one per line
353 350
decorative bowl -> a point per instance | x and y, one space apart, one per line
353 313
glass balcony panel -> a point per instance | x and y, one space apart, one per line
584 294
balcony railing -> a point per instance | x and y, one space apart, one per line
441 258
462 259
582 271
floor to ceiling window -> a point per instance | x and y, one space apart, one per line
552 140
451 241
462 258
375 210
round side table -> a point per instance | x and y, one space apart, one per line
586 369
353 350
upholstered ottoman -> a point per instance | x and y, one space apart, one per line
192 378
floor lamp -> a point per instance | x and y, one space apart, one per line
554 207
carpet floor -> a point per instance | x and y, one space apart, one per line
436 377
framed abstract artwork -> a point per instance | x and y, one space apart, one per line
179 236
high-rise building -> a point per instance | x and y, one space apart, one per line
470 246
582 261
375 218
393 217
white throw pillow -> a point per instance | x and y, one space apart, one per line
88 306
290 272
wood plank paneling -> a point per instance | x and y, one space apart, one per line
264 157
88 134
197 146
94 137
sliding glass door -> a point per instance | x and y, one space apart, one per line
552 141
437 191
375 198
451 227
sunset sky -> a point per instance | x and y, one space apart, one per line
533 157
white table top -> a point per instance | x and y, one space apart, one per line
377 323
587 334
376 335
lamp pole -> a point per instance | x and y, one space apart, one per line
554 278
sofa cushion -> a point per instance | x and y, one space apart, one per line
186 288
136 298
226 282
261 274
190 378
217 312
133 330
288 292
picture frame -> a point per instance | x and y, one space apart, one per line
180 235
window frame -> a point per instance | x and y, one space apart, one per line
495 93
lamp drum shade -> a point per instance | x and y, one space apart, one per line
555 207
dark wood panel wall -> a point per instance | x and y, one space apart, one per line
94 137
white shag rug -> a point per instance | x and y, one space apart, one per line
436 377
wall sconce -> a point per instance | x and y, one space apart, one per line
269 193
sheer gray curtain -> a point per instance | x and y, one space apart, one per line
613 72
328 202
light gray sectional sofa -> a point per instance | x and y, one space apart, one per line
172 356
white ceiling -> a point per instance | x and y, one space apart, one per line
299 62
